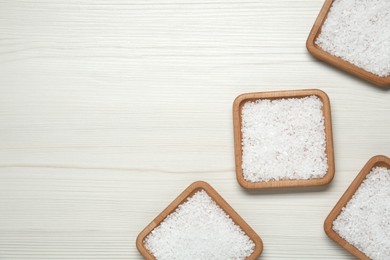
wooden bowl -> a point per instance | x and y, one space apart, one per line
320 54
237 107
376 161
193 188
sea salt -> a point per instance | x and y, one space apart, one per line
358 31
199 229
283 139
365 221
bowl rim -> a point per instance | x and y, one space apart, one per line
237 107
337 62
217 198
378 160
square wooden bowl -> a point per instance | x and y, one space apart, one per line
376 161
320 54
189 192
237 119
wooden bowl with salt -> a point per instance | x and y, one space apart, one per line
220 202
238 104
315 50
376 161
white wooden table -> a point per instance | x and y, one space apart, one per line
109 109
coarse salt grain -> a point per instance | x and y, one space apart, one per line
365 221
358 31
199 229
283 139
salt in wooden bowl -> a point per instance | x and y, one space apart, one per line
320 54
237 120
376 161
187 193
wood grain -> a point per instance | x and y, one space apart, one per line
184 196
109 109
376 161
237 122
319 53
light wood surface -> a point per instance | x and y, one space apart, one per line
319 53
110 109
183 197
376 161
237 123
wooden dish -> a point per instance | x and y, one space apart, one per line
320 54
237 107
193 188
376 161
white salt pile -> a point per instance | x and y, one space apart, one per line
199 229
358 31
365 221
283 139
